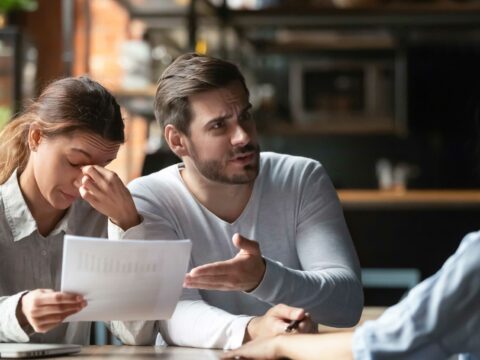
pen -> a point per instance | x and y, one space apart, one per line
293 325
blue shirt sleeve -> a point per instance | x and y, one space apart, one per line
440 317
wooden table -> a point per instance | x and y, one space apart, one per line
143 352
181 353
368 313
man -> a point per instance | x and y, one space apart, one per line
266 228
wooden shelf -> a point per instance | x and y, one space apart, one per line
397 15
313 129
375 199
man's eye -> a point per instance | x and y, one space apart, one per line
218 125
246 116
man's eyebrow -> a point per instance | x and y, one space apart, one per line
226 116
83 152
218 118
246 108
223 117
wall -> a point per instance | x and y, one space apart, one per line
443 116
44 28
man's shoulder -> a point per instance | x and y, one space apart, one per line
166 177
275 162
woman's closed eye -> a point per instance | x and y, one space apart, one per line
75 164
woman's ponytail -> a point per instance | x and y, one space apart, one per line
14 150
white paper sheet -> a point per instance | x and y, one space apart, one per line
124 279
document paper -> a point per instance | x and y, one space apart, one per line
124 279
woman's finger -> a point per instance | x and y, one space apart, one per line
58 297
49 322
104 178
42 311
88 195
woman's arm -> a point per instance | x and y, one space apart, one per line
105 191
335 346
41 310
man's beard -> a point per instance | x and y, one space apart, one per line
214 169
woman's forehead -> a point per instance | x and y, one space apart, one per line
93 144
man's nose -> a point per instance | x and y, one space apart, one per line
240 136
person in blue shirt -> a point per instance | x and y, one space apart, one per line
439 318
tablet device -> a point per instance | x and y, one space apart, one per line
29 350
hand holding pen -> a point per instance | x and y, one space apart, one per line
278 320
304 325
293 325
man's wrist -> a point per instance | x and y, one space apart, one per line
262 275
250 330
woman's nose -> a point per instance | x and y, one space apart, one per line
77 182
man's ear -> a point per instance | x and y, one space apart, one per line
34 136
176 140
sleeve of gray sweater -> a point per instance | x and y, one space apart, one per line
329 284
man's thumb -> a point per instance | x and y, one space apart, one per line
245 244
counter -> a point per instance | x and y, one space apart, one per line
436 199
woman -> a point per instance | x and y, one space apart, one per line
439 318
53 182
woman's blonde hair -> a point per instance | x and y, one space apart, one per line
65 106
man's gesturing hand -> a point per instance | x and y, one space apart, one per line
243 272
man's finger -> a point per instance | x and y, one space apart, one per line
287 312
307 327
245 244
212 283
209 279
216 268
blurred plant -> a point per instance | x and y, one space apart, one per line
10 5
5 114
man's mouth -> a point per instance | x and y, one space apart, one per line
244 158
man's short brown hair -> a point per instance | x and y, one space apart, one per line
188 75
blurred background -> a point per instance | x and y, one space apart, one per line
384 93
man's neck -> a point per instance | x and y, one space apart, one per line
226 201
